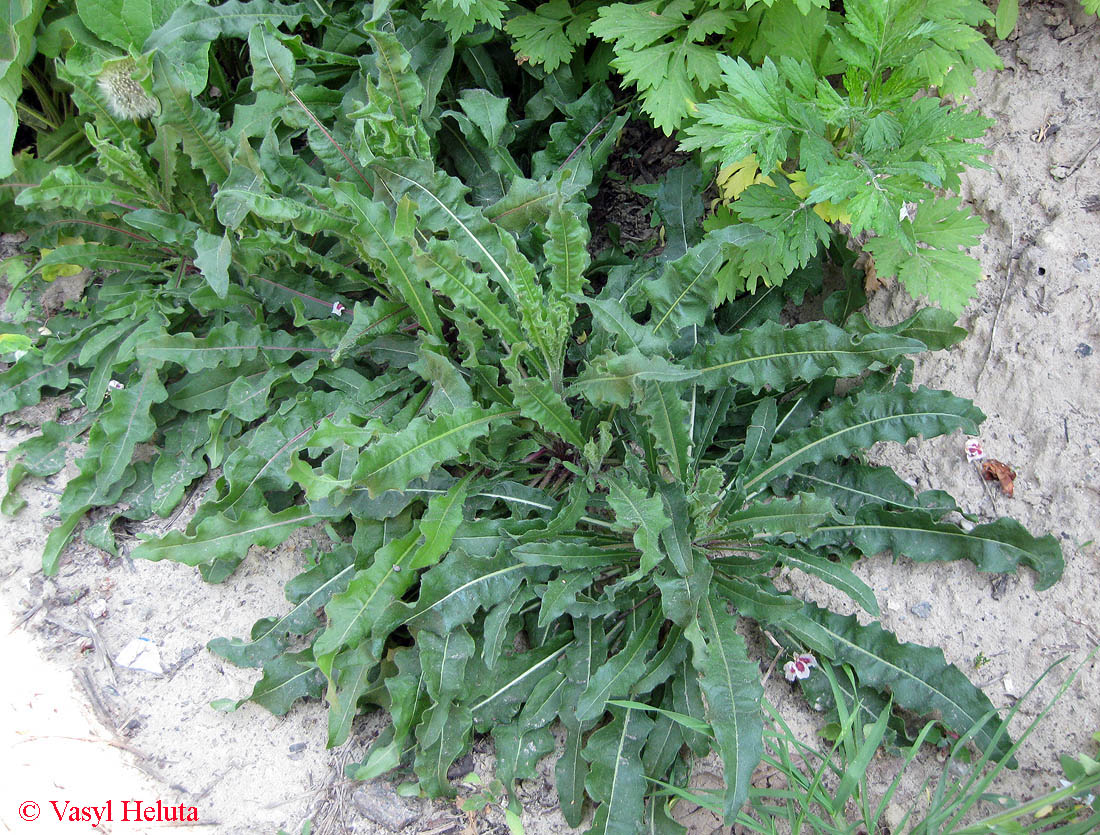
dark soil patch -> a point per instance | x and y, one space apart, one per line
642 157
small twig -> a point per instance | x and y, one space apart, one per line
30 613
92 692
771 667
67 627
985 486
100 650
1081 159
997 312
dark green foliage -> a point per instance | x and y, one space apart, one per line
355 283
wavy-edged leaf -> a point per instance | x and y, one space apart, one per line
836 574
22 384
571 554
213 255
454 279
127 423
286 679
857 423
851 485
350 677
356 615
787 519
185 36
537 400
687 290
203 141
615 678
614 378
452 592
67 188
732 687
918 677
933 326
567 258
774 356
996 547
583 657
444 731
414 451
667 420
377 239
442 207
228 346
641 514
522 743
220 538
309 592
616 778
500 697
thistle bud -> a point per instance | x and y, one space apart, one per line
126 98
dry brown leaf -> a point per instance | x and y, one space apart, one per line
994 470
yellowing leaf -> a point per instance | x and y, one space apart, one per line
828 211
55 271
734 179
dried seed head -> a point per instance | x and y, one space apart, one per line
126 98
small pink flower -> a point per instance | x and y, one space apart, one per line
974 451
800 667
338 309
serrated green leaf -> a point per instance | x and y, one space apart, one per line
412 452
732 687
203 141
852 424
309 591
666 417
571 554
350 678
621 378
787 519
220 538
213 256
452 592
617 675
616 778
227 346
999 546
537 400
835 574
775 356
286 679
641 515
918 678
852 485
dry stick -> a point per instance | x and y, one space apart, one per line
95 700
997 312
101 651
1081 159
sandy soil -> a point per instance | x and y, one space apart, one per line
1032 363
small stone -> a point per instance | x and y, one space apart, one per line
1081 263
895 814
1083 350
97 609
922 609
380 804
1065 30
297 746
